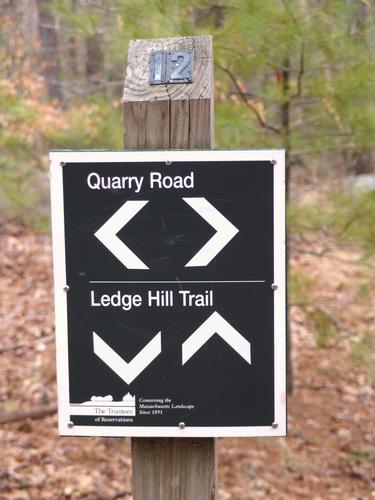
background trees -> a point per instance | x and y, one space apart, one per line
293 73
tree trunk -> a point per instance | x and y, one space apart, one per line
285 127
50 51
27 12
94 58
73 48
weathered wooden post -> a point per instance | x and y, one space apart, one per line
170 116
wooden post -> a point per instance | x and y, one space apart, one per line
174 116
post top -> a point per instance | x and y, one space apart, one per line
137 80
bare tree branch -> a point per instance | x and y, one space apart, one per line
35 412
39 340
292 16
121 494
301 72
245 99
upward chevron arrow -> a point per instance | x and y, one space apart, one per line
216 324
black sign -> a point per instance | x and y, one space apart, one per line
170 293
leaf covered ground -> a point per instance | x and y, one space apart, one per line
330 450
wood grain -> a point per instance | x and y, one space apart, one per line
184 110
174 468
137 87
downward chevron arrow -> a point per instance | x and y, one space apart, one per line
107 234
225 231
216 324
127 371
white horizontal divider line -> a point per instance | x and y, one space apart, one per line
182 281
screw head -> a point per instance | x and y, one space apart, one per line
274 286
66 288
70 425
62 163
181 425
168 163
273 162
275 425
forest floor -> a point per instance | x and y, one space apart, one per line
328 454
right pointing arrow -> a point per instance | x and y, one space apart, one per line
225 231
216 324
107 234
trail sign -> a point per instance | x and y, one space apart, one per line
170 292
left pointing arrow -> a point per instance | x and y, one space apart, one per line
127 371
107 234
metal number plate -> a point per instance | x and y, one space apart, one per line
171 67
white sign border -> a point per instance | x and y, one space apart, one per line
279 427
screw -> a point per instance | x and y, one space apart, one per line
66 288
274 287
62 164
168 162
273 162
275 425
70 425
181 425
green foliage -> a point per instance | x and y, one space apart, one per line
346 217
336 76
95 125
299 288
233 129
363 352
324 326
304 69
343 218
353 217
300 292
32 128
364 289
308 218
363 455
84 20
324 48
